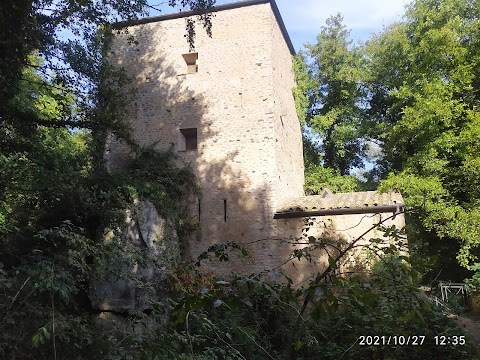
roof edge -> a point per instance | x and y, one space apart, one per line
283 29
339 211
228 6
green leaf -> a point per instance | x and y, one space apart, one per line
297 345
332 263
40 337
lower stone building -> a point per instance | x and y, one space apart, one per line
343 219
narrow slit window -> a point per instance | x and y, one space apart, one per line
191 60
225 210
199 209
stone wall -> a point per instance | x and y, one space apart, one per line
344 229
288 140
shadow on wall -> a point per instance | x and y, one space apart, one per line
162 105
235 202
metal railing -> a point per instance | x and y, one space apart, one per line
449 288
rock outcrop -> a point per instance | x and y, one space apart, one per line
144 253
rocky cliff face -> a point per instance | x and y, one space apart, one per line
150 248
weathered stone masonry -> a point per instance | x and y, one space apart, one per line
228 111
249 153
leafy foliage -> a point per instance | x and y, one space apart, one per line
250 318
50 238
424 97
319 178
58 102
328 89
414 95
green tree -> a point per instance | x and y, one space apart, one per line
71 38
54 206
423 95
328 95
318 178
58 100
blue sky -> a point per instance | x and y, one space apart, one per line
303 18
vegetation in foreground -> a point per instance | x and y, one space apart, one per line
368 314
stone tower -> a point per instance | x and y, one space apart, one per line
228 111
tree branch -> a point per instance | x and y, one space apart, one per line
320 276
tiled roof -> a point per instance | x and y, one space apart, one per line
341 203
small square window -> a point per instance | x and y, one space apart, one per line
187 139
191 60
